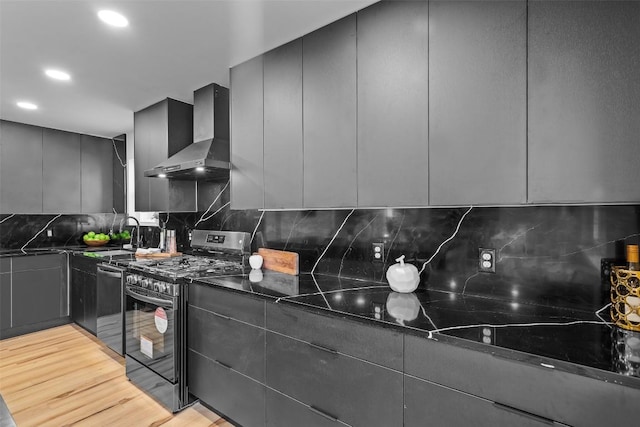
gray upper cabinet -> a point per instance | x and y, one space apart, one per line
97 174
160 131
393 104
477 102
247 151
584 114
283 126
329 115
20 168
61 168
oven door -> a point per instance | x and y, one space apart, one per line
151 328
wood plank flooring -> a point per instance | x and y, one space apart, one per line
64 376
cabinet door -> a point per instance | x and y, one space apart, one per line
393 104
247 151
329 115
5 300
339 387
583 101
119 176
77 297
229 393
20 168
97 174
35 296
283 126
477 102
446 407
61 166
233 343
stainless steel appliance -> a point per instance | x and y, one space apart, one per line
155 311
109 306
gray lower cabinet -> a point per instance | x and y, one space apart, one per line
233 395
329 115
583 101
338 387
20 168
247 121
283 411
34 294
525 387
427 403
61 171
283 126
393 104
477 102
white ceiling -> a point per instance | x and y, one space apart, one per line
169 49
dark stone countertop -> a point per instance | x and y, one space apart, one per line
575 341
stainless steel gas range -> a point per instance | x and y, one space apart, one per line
155 311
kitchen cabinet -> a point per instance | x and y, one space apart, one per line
477 102
583 101
393 104
20 168
538 389
97 177
283 154
441 407
37 288
247 122
226 353
340 387
5 293
61 171
83 293
160 131
329 115
119 172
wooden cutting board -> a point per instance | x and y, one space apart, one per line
159 255
281 261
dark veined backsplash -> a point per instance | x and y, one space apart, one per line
546 255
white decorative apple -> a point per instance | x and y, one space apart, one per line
255 261
403 277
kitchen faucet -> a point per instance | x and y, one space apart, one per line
138 239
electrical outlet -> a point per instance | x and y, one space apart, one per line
377 254
487 260
49 233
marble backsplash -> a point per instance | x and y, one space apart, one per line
546 255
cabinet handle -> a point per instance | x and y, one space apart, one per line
323 414
323 348
523 413
224 365
220 316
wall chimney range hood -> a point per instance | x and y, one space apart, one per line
207 159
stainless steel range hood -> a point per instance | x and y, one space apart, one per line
207 159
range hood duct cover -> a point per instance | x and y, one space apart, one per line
206 159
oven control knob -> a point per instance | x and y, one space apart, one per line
162 287
144 283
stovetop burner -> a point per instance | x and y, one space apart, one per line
190 266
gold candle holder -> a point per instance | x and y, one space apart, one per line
625 298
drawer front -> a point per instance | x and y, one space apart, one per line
85 264
36 262
560 396
233 395
283 411
445 407
241 307
374 344
5 265
235 344
341 387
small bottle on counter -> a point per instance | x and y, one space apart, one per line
633 259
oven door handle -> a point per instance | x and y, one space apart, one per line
151 300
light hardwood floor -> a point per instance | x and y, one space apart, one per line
65 376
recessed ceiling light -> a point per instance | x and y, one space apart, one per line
162 175
57 74
200 169
113 18
27 105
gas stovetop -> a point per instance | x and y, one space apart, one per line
214 253
190 266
